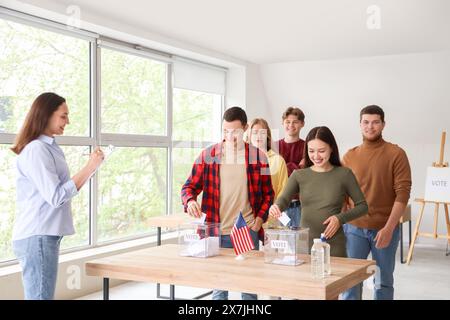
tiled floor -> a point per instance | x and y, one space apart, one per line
427 277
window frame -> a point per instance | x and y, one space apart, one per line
96 43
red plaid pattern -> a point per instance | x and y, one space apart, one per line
205 176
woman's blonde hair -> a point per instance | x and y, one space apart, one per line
265 125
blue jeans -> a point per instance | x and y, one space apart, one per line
225 242
359 243
294 214
38 258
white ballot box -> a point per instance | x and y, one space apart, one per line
199 239
283 246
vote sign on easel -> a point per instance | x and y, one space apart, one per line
437 187
437 192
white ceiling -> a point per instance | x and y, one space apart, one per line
268 31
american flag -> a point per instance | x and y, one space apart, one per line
240 236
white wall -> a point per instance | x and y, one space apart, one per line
256 101
245 89
235 89
412 89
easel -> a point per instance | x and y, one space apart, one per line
440 164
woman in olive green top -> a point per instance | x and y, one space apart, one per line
323 186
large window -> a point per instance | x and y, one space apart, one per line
201 113
133 94
132 188
182 159
117 95
32 61
133 181
198 111
7 203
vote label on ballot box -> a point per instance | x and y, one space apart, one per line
199 239
283 246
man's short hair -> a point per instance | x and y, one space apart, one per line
295 112
372 109
235 113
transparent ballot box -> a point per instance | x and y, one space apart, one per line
283 246
199 240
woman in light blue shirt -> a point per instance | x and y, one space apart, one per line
44 193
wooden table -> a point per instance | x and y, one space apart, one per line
163 265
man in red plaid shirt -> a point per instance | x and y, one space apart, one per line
234 177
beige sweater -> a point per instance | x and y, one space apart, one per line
384 175
234 192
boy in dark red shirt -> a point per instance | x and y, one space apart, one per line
291 148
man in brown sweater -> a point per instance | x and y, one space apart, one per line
384 175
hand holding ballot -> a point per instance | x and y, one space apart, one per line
96 158
275 211
193 209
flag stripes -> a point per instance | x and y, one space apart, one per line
240 236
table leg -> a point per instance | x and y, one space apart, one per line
202 295
105 288
158 243
401 243
172 292
158 237
158 291
172 287
410 227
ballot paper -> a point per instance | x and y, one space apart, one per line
200 220
284 219
213 246
107 153
206 247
